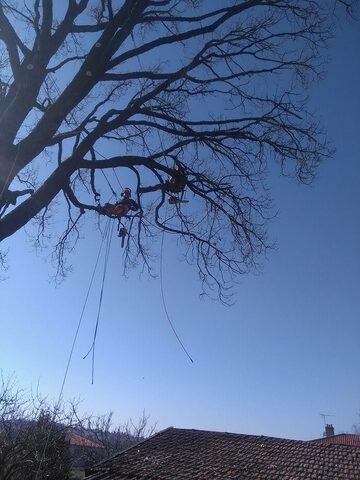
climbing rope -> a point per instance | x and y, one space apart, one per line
164 302
109 235
117 178
107 226
113 169
107 180
57 405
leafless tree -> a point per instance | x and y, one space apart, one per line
35 435
115 438
32 445
132 88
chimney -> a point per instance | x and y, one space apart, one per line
329 430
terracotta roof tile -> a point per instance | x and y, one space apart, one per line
201 455
79 440
341 439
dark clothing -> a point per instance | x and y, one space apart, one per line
176 184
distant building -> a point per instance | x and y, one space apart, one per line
329 437
340 439
83 451
78 440
180 454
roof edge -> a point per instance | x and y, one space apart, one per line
130 448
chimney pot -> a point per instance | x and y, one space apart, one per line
329 430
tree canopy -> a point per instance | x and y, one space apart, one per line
131 90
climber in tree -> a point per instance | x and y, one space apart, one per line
176 183
122 207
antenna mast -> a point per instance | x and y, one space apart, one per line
324 415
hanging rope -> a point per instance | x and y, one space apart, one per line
117 178
111 188
113 169
92 347
164 303
57 405
85 303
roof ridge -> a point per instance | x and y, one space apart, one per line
344 433
236 434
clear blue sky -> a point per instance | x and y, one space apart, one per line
288 349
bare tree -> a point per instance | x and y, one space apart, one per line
35 435
115 438
32 445
132 89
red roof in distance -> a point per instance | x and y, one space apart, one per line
341 439
80 441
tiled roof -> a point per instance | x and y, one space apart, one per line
80 441
341 439
178 454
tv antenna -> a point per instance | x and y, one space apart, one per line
325 415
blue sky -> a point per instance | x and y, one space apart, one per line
286 351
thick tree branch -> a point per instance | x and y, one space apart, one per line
27 210
230 12
139 86
11 40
